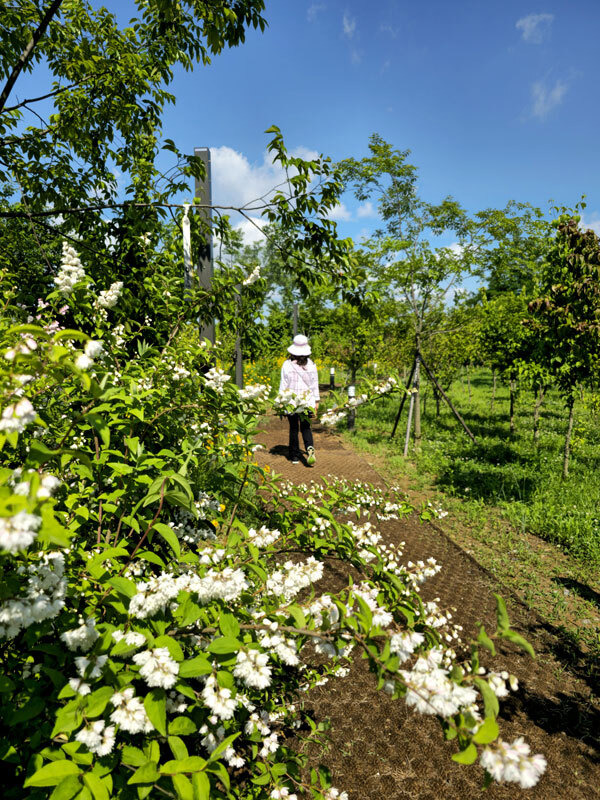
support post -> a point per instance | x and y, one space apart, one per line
205 256
352 411
398 415
408 424
332 378
432 378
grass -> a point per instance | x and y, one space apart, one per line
508 504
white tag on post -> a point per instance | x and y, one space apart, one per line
187 246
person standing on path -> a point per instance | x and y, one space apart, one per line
299 374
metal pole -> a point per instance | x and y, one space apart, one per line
332 378
352 411
410 413
205 254
295 322
238 355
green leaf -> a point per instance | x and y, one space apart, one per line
187 764
194 667
487 732
201 786
98 700
182 726
155 704
99 424
485 641
96 787
490 701
147 773
123 586
222 746
6 685
224 645
177 745
53 773
183 787
501 614
133 756
229 626
67 788
170 537
466 756
517 639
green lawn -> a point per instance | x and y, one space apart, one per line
507 473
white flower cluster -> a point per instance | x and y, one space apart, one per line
16 416
218 699
131 638
286 649
252 277
365 536
43 598
331 418
252 667
255 391
130 714
381 616
430 690
212 739
156 594
262 537
71 272
290 402
97 738
93 348
405 644
83 637
283 793
338 413
25 347
513 763
157 667
110 297
216 379
90 667
288 581
19 531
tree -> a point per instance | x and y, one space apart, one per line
566 314
406 264
352 336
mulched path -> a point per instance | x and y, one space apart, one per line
378 748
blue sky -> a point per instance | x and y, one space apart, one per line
496 100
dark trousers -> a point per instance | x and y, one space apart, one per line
304 423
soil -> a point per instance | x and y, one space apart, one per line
377 748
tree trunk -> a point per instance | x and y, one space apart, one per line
493 389
469 382
571 407
437 402
417 408
512 406
408 424
353 376
537 412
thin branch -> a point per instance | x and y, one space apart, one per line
27 52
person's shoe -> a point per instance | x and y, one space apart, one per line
311 460
295 461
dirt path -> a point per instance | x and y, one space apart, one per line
379 749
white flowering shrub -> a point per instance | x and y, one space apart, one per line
165 604
339 411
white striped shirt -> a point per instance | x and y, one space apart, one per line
299 379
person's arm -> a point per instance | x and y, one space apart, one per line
283 383
314 374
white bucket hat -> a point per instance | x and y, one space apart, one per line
300 346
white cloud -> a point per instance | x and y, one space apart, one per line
348 25
535 27
251 229
313 10
340 213
593 222
393 32
366 210
237 182
356 56
545 98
